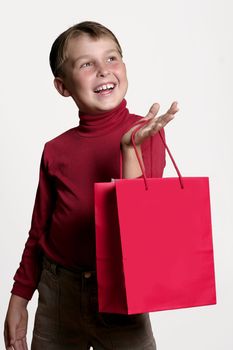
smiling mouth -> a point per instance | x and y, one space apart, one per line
105 88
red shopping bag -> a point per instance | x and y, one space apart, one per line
154 246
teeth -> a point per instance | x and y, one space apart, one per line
110 86
104 87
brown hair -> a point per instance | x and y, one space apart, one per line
58 54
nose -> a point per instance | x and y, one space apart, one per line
102 70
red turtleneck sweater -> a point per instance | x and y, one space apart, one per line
62 225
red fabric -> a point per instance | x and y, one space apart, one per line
63 224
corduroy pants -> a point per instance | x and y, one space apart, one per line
67 316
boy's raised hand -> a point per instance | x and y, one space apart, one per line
130 164
152 127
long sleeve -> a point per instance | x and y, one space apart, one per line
28 273
63 225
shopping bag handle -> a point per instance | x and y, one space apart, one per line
142 123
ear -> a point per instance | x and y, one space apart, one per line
61 88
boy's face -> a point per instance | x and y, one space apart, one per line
95 75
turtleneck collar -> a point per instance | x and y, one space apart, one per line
94 125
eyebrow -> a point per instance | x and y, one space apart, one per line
89 56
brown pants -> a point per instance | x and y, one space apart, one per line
67 316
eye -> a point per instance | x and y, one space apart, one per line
111 59
86 65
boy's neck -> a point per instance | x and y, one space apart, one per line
92 125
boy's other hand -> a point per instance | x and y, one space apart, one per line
152 127
15 328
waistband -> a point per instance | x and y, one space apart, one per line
56 268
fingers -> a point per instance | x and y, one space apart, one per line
174 108
25 344
20 344
160 122
156 123
163 119
155 108
153 125
11 342
153 111
9 336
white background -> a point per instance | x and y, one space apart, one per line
174 50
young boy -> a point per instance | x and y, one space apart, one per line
59 255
